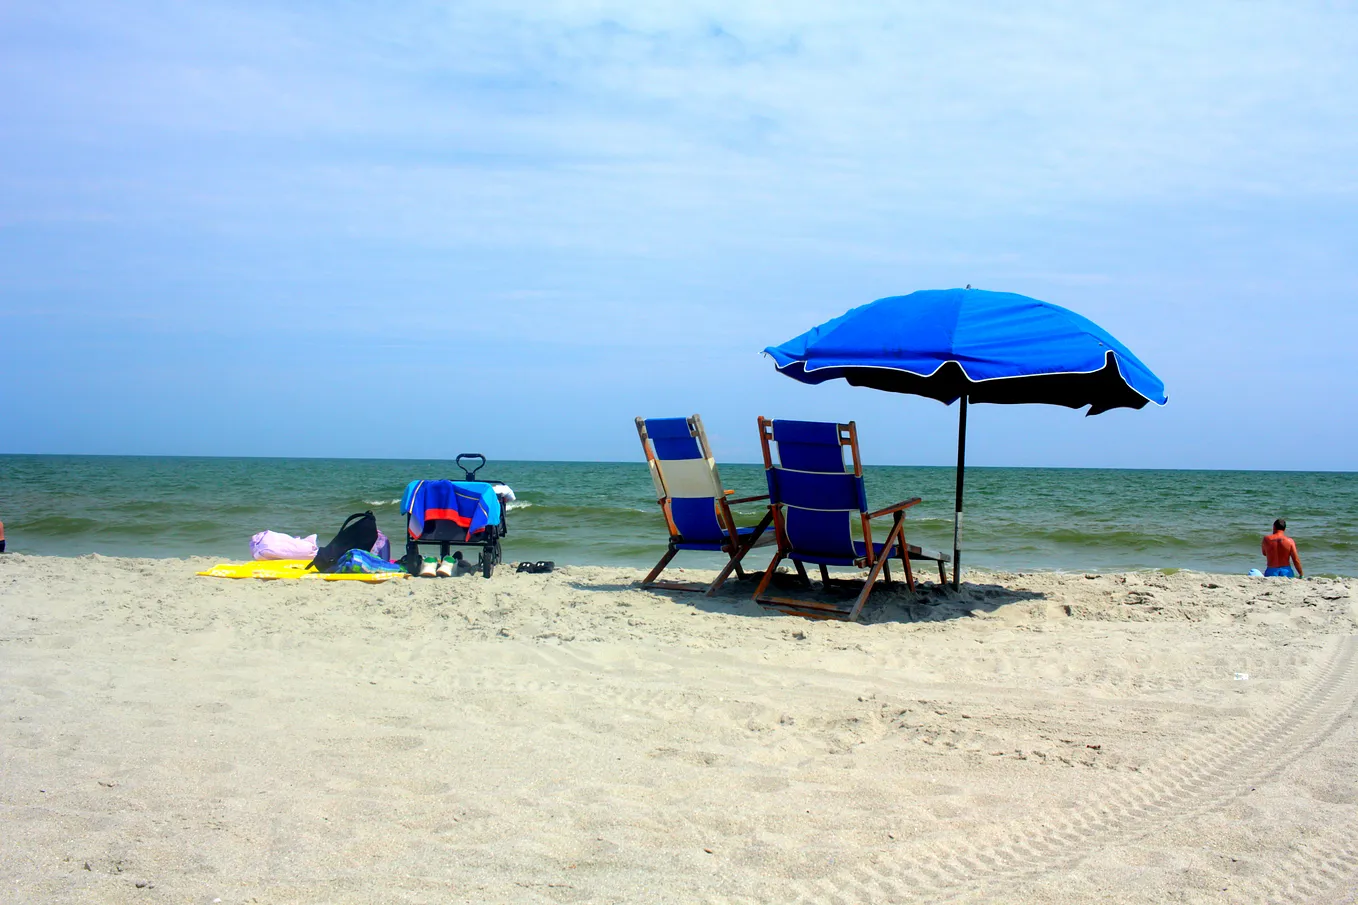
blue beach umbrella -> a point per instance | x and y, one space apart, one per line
974 346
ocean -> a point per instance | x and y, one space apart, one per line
604 513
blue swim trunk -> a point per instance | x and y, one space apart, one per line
1280 572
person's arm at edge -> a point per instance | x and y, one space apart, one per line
1296 560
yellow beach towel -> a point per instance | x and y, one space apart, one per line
274 569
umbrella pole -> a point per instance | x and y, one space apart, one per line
957 510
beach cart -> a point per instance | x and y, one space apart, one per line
466 513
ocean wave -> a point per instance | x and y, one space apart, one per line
606 513
58 526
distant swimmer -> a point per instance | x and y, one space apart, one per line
1281 553
2 537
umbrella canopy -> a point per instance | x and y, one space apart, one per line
977 346
988 346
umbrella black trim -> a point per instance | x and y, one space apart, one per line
1102 389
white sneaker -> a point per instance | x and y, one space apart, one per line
447 566
428 566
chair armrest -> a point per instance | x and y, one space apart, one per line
904 504
748 499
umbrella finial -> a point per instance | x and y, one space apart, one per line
968 285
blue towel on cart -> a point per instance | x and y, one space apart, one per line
471 504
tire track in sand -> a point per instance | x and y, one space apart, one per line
1213 772
1318 870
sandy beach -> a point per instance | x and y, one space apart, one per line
1041 737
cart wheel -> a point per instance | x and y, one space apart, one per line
487 562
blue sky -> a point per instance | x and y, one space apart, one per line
410 229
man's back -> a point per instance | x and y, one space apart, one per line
1278 550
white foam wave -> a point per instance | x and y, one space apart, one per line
382 502
519 504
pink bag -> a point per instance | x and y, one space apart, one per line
273 545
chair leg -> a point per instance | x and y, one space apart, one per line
659 567
768 575
725 573
942 574
886 569
740 550
801 572
869 584
824 575
899 530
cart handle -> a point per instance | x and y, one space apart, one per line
470 472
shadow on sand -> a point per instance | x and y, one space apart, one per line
931 602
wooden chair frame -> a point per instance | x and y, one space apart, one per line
877 566
735 546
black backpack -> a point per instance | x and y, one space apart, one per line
360 535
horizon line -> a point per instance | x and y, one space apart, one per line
639 461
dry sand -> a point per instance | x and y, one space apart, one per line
570 738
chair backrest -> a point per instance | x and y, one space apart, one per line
819 495
685 476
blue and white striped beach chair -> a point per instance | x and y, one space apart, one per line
697 508
815 500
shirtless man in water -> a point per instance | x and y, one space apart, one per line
1281 552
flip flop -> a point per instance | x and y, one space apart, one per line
543 566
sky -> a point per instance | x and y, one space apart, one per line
408 230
